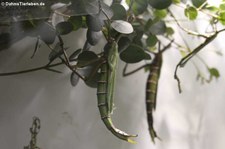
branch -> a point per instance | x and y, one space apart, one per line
47 67
184 60
185 29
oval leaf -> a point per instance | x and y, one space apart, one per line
106 13
56 52
74 79
214 73
138 6
160 4
47 33
134 54
93 37
123 44
93 82
76 21
191 13
119 12
74 54
94 23
151 40
86 58
123 27
158 28
64 28
198 3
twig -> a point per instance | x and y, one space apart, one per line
187 30
133 71
31 70
184 60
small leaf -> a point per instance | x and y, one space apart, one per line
169 31
93 82
214 73
222 6
76 21
86 58
222 17
151 40
176 1
119 12
123 27
134 54
106 13
212 8
64 28
158 28
74 79
94 23
93 37
46 32
160 13
198 3
160 4
123 43
84 7
74 54
56 52
138 6
191 13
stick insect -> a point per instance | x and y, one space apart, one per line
151 87
105 91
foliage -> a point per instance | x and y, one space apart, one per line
138 31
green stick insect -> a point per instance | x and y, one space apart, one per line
151 87
105 90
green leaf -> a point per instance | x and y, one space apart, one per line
76 21
160 13
94 23
86 58
138 6
64 28
191 13
222 6
119 12
169 31
106 13
214 73
198 3
157 28
93 37
222 17
134 54
123 43
84 7
74 54
160 4
93 82
56 52
151 40
46 32
212 8
176 1
123 27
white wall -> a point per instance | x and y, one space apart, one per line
70 117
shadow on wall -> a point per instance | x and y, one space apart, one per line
70 117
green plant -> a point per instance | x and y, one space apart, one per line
134 33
